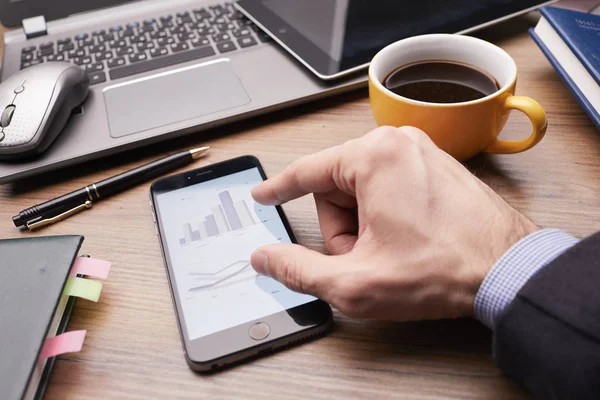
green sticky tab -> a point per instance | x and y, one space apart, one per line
84 288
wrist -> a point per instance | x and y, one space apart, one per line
514 269
502 234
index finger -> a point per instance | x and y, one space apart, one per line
315 173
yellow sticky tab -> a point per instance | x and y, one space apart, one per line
84 288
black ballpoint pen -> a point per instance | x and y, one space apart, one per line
69 204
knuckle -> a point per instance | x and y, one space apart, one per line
414 133
387 142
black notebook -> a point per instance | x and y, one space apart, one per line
33 273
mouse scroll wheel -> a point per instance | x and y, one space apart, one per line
7 115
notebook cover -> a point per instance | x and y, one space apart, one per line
62 327
583 101
33 272
581 32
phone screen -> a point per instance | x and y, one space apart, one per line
210 230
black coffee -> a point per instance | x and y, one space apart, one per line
441 82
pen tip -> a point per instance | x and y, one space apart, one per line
199 152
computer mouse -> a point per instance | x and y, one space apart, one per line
35 105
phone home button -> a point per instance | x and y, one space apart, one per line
259 331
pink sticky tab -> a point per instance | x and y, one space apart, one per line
91 267
68 342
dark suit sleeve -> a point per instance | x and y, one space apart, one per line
548 338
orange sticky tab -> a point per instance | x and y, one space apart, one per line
91 267
68 342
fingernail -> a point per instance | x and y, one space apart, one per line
260 263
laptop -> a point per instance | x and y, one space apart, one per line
158 69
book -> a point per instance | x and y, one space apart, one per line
571 42
40 278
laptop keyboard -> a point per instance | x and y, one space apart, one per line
120 51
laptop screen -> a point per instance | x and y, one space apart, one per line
332 36
12 12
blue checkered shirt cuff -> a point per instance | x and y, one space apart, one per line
513 270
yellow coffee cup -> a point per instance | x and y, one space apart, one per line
466 129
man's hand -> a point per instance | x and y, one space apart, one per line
411 232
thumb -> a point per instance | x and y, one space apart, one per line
300 269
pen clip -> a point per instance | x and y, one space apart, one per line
49 221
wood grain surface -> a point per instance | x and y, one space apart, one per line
133 350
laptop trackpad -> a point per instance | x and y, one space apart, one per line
171 97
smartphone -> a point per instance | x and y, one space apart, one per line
209 225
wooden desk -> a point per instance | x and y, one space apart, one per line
133 349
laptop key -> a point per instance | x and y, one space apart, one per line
94 67
138 57
221 37
85 42
139 39
162 62
28 49
127 32
179 47
47 51
46 45
201 13
26 56
165 41
225 47
146 46
159 52
222 28
146 29
219 20
247 41
66 47
125 50
97 77
159 34
76 53
187 35
117 43
55 57
206 31
200 42
97 48
106 38
63 41
116 62
81 36
241 32
179 29
83 60
149 21
101 56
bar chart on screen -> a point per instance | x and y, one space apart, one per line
211 230
226 216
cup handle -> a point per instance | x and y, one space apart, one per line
536 114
